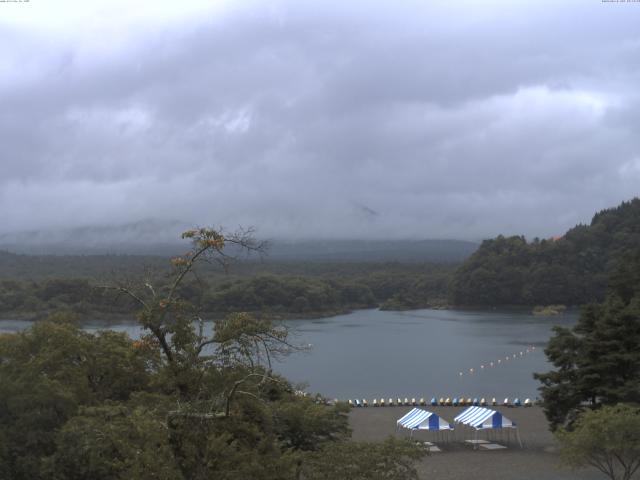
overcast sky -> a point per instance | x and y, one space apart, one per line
364 119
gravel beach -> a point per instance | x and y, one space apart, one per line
536 460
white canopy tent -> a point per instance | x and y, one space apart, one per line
418 419
480 418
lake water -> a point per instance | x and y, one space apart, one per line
421 353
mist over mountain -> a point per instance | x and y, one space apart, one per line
157 237
149 237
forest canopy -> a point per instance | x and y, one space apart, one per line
572 269
277 289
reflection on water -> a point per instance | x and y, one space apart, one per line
370 353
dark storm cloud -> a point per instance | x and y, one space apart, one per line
443 120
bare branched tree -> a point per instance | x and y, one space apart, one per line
177 328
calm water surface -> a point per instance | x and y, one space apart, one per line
370 353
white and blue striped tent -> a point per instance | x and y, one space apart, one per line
482 418
418 419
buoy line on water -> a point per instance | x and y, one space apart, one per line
457 401
487 365
500 361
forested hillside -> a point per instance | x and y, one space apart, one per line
572 269
33 286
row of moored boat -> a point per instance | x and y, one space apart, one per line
442 402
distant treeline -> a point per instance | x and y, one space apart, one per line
570 270
313 291
306 295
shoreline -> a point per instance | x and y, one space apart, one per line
117 317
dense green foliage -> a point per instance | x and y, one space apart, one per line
390 460
39 267
47 374
287 294
426 291
598 360
80 295
607 439
77 405
571 270
176 404
277 289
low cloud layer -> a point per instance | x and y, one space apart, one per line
316 119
